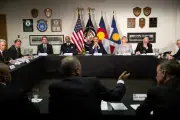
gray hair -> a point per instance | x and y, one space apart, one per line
2 40
69 65
178 40
171 67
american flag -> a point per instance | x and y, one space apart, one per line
77 35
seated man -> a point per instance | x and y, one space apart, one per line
12 100
87 44
97 47
68 47
45 47
4 55
177 55
80 96
164 98
15 50
144 47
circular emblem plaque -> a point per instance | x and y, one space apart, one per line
42 25
28 23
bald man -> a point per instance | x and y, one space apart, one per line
144 47
81 96
177 55
68 47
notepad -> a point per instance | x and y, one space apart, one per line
36 100
104 105
68 54
139 97
118 106
135 106
150 53
42 54
97 54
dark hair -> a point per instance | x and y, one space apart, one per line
96 37
43 37
69 65
5 76
171 67
17 40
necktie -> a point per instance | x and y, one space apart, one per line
45 49
17 53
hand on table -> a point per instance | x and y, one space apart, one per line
138 53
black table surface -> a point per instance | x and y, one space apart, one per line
109 65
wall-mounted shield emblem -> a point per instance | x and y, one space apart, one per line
142 22
42 25
137 11
34 13
147 11
48 12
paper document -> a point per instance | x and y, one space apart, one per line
139 97
104 105
118 106
36 100
135 106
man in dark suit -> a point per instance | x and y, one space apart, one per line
144 47
15 50
97 47
13 100
87 44
81 96
177 55
4 55
163 99
68 47
45 47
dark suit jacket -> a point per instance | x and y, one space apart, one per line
14 101
162 100
13 53
101 50
142 49
87 46
40 49
68 49
81 96
5 58
177 55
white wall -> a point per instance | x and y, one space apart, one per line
168 13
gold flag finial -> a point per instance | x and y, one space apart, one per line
89 10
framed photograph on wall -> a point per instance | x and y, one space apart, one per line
56 25
138 37
131 22
35 40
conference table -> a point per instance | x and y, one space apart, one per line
26 75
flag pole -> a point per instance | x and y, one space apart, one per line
101 13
